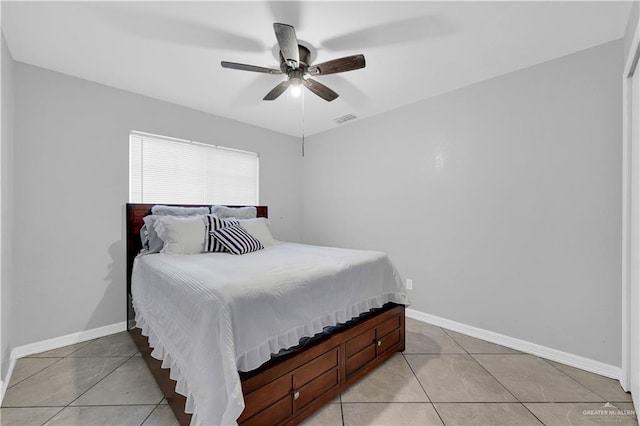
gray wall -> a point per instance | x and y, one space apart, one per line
6 206
71 184
633 339
630 30
500 200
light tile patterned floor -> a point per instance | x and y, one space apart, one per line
442 378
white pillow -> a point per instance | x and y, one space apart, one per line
181 235
151 243
259 229
236 212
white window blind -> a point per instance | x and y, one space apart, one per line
167 170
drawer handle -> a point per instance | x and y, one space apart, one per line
296 395
379 342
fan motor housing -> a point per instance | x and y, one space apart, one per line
304 62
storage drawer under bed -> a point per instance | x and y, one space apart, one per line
367 346
286 394
292 392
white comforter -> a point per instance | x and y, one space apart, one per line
209 315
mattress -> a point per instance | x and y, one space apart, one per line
210 315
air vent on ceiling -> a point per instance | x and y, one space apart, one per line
344 118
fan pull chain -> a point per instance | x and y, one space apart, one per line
303 122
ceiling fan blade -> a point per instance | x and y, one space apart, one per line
399 32
245 67
348 63
320 89
276 91
172 28
288 43
286 11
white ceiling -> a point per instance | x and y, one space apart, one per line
414 50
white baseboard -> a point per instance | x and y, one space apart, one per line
5 384
55 343
69 339
572 360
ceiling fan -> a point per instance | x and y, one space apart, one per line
295 63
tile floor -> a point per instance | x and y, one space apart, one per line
443 377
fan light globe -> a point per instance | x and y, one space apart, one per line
296 90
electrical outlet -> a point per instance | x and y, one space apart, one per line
409 284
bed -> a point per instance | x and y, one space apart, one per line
267 352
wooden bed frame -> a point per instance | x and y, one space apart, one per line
291 387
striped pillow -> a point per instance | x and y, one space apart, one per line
211 244
237 240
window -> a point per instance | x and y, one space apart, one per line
167 170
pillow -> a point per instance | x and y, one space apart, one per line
237 240
160 210
151 242
144 239
211 244
259 229
235 212
181 235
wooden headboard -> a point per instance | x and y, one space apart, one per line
135 213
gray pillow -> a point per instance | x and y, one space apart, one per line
151 242
160 210
236 212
